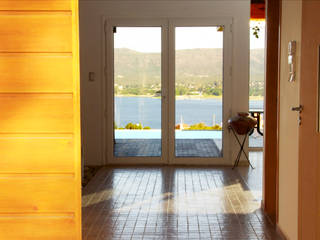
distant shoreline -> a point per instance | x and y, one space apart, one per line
183 97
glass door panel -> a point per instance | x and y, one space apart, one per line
199 91
137 92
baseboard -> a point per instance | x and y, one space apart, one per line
280 232
278 229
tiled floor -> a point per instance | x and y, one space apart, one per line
175 203
152 147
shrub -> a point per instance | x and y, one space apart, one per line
217 127
203 126
132 126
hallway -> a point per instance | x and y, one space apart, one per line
176 203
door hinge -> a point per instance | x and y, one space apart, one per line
231 26
114 29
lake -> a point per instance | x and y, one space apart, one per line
147 111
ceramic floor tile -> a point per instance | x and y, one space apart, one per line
175 203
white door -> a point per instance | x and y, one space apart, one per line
136 56
199 88
167 91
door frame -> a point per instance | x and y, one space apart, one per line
227 83
168 88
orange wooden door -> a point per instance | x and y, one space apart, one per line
309 136
40 177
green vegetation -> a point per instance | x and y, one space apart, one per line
203 126
132 126
197 126
202 78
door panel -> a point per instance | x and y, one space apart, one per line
40 175
36 73
36 5
288 123
309 137
49 194
136 51
22 112
37 32
30 227
199 91
137 92
40 161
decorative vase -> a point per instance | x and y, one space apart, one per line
242 123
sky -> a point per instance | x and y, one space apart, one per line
148 39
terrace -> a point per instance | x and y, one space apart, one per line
144 143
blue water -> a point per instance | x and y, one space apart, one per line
156 134
147 111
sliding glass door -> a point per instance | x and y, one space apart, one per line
168 91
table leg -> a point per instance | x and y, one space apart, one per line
236 163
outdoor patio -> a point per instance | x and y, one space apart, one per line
152 148
184 147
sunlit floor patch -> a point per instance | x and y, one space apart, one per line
174 203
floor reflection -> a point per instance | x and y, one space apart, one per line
172 203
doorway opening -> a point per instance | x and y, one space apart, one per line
169 91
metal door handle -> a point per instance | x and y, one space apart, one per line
298 109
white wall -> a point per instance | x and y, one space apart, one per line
289 128
91 36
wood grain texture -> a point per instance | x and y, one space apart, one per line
37 73
31 227
37 193
35 32
53 5
309 137
37 153
40 176
36 113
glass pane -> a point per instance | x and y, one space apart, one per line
137 91
199 89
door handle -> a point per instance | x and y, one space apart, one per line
298 109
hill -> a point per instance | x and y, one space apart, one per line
204 72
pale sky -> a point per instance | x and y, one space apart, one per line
148 39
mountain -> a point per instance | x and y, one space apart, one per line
205 68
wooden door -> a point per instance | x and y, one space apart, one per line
309 194
288 122
40 173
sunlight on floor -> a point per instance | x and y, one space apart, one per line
176 203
